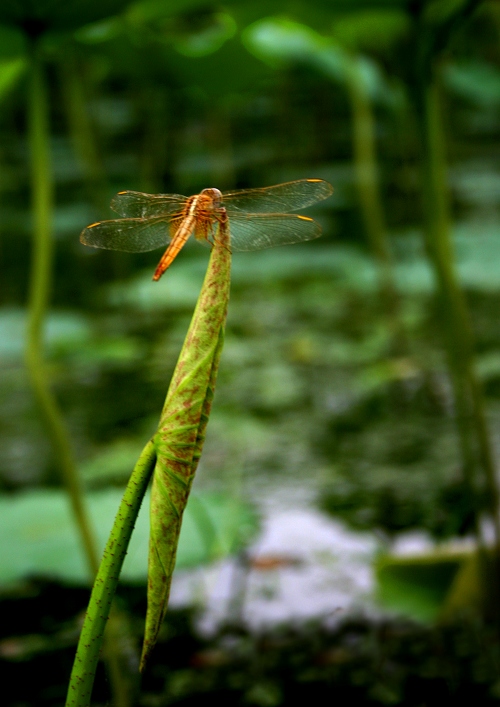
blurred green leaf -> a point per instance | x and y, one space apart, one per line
69 335
38 535
11 71
417 586
280 40
113 351
101 31
207 39
113 464
279 386
488 366
371 29
63 330
178 291
477 184
343 262
477 82
384 371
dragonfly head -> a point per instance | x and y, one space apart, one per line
212 199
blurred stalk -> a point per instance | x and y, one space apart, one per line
85 145
365 165
81 130
470 414
106 582
42 189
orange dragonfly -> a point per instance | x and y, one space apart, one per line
258 218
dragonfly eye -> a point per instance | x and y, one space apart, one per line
215 197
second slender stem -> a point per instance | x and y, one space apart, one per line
471 418
39 292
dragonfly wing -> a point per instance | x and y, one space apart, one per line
135 204
290 196
131 235
256 232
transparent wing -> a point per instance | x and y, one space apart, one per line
131 235
256 232
135 204
289 196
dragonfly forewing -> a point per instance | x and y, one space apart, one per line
280 198
135 204
130 235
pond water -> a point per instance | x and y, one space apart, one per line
302 566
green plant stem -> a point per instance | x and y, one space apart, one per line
468 399
181 432
81 129
365 164
38 298
106 581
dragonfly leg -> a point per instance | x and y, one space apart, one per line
223 225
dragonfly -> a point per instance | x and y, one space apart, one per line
258 218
